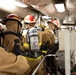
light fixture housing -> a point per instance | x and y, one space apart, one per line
60 7
11 4
20 4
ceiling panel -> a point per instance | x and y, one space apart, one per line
37 2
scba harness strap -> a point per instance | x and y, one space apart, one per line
10 32
16 49
1 36
13 33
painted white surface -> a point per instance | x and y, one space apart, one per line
61 39
64 44
67 51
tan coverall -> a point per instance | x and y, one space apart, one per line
44 36
9 39
11 64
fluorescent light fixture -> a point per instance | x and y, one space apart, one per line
60 7
10 4
46 17
63 27
20 4
7 4
34 6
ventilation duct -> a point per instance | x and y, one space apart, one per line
69 20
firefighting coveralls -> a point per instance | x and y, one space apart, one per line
44 36
11 64
9 40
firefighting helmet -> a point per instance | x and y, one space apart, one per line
29 19
12 17
55 22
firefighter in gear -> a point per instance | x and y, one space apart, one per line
51 61
53 24
12 36
44 36
10 64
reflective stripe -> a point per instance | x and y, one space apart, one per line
44 51
26 45
32 58
40 43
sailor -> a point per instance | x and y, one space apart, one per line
12 39
45 36
10 64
